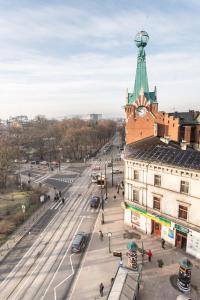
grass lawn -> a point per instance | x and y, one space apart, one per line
11 213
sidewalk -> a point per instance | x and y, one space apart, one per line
99 265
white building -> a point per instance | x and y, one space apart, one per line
162 192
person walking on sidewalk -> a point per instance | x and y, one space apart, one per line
101 287
163 243
149 254
101 235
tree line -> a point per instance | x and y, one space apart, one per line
49 140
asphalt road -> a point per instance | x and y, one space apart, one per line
41 266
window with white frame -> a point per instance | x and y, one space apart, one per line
156 203
157 180
135 194
184 188
182 212
136 175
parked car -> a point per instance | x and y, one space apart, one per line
116 171
55 163
44 163
79 242
24 161
94 202
96 168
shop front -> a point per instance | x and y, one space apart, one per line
193 243
181 236
156 228
148 222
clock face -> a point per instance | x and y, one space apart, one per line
141 111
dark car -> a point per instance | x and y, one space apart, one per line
94 202
79 242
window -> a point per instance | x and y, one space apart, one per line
184 187
136 175
182 212
135 196
156 203
157 180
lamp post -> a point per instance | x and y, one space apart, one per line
105 181
112 171
109 234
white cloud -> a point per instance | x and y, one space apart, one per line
36 76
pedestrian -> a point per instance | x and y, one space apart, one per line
149 254
112 281
101 287
163 243
114 197
60 194
123 193
101 235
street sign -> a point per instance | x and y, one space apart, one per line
117 254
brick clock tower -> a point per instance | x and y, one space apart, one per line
141 105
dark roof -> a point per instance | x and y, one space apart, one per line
154 150
187 117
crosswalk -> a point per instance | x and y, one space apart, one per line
86 208
61 179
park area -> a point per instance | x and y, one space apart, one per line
15 208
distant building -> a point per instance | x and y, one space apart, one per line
94 117
142 116
18 121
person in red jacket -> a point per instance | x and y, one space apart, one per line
149 254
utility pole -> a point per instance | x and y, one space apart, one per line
102 198
112 171
105 182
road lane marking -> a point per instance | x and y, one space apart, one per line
82 263
30 249
6 281
72 273
62 259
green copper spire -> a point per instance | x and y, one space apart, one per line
141 79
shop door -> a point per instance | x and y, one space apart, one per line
181 240
156 228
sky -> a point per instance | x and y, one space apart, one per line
63 57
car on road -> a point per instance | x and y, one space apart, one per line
116 171
96 168
79 242
109 165
94 202
44 163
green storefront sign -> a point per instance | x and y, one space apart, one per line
152 216
181 228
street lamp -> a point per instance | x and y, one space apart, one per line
112 170
105 182
109 234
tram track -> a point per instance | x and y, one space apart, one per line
71 209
